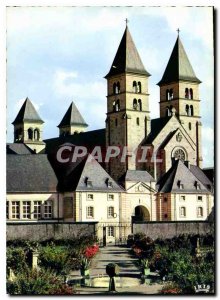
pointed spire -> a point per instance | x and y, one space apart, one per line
72 117
127 58
27 113
179 66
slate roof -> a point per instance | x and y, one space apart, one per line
89 139
72 117
179 173
127 58
30 173
138 175
156 126
179 66
18 148
199 173
73 175
27 113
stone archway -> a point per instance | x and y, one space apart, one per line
141 213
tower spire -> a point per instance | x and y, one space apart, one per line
178 31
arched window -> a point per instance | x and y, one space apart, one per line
114 106
117 105
114 88
139 104
191 110
135 103
116 122
139 87
18 134
167 111
37 134
187 110
138 121
134 86
30 134
191 93
167 95
186 93
118 88
171 94
190 126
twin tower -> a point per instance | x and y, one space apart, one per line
128 120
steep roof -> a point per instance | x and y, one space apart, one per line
138 175
27 113
179 66
72 117
74 175
180 174
127 58
30 173
199 173
18 148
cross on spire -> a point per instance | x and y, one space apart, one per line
178 31
126 21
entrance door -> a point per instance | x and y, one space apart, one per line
141 214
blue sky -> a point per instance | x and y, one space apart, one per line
56 55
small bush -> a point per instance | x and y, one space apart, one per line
16 259
34 282
56 258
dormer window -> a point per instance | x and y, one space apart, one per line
197 185
109 183
88 182
180 185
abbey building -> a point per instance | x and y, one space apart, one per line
170 187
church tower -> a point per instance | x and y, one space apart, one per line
28 127
128 116
179 89
72 122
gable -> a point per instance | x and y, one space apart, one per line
179 139
140 187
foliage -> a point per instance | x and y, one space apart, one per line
84 263
112 270
34 282
171 289
143 263
16 259
56 258
183 268
143 247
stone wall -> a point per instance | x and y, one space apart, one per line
171 229
44 231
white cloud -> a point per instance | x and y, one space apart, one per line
68 84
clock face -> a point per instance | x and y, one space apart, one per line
179 154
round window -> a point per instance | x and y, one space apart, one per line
179 154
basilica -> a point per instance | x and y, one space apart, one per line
171 187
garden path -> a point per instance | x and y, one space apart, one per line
128 268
